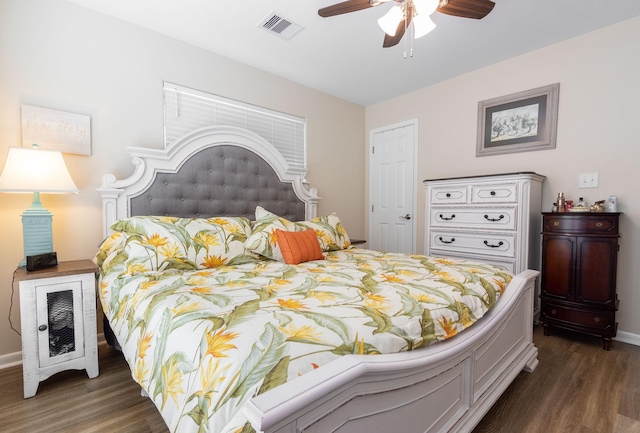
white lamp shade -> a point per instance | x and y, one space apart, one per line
426 7
35 170
389 21
422 24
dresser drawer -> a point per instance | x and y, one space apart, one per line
449 194
566 222
506 264
495 193
474 218
576 317
480 244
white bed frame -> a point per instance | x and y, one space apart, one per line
447 387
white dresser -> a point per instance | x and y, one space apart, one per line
494 219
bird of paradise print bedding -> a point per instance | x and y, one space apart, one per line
201 342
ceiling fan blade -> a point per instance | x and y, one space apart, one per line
345 7
476 9
390 41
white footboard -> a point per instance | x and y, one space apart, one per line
447 387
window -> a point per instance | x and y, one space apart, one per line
186 110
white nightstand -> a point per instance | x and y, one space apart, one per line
58 321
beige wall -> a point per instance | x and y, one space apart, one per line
58 55
599 76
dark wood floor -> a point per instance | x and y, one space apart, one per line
577 388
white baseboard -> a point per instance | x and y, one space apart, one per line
15 358
628 337
10 360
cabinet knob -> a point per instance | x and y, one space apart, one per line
556 223
596 319
42 328
598 224
448 194
492 193
553 311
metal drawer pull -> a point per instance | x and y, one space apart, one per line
493 246
492 193
447 242
556 223
448 194
596 319
447 219
493 219
554 311
598 224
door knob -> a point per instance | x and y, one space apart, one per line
407 217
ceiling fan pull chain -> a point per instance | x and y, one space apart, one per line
407 11
405 49
413 36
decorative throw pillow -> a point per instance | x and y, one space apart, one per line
158 243
263 238
299 247
330 232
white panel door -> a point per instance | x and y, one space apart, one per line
393 188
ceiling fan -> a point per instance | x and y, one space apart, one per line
396 22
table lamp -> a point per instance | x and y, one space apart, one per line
33 170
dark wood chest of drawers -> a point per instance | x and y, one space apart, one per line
578 279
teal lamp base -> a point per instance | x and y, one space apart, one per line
36 230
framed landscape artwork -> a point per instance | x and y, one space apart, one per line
520 122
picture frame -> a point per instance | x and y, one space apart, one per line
56 130
520 122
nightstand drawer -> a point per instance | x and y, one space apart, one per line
475 218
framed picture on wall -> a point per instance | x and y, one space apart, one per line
56 130
520 122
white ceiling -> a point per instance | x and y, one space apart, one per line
343 55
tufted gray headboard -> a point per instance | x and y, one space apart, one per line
214 171
224 180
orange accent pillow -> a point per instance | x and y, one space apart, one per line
298 247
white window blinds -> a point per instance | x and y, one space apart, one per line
186 110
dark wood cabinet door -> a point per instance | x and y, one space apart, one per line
578 278
558 267
596 277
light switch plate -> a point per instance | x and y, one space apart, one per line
588 180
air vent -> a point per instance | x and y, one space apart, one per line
282 27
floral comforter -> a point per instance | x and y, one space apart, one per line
201 342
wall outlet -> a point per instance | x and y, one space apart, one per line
588 180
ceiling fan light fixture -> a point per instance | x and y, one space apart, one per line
422 24
426 7
389 21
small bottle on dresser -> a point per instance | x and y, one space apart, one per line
612 204
562 204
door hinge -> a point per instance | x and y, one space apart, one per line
373 150
372 208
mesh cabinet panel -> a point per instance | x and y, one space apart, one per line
61 322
